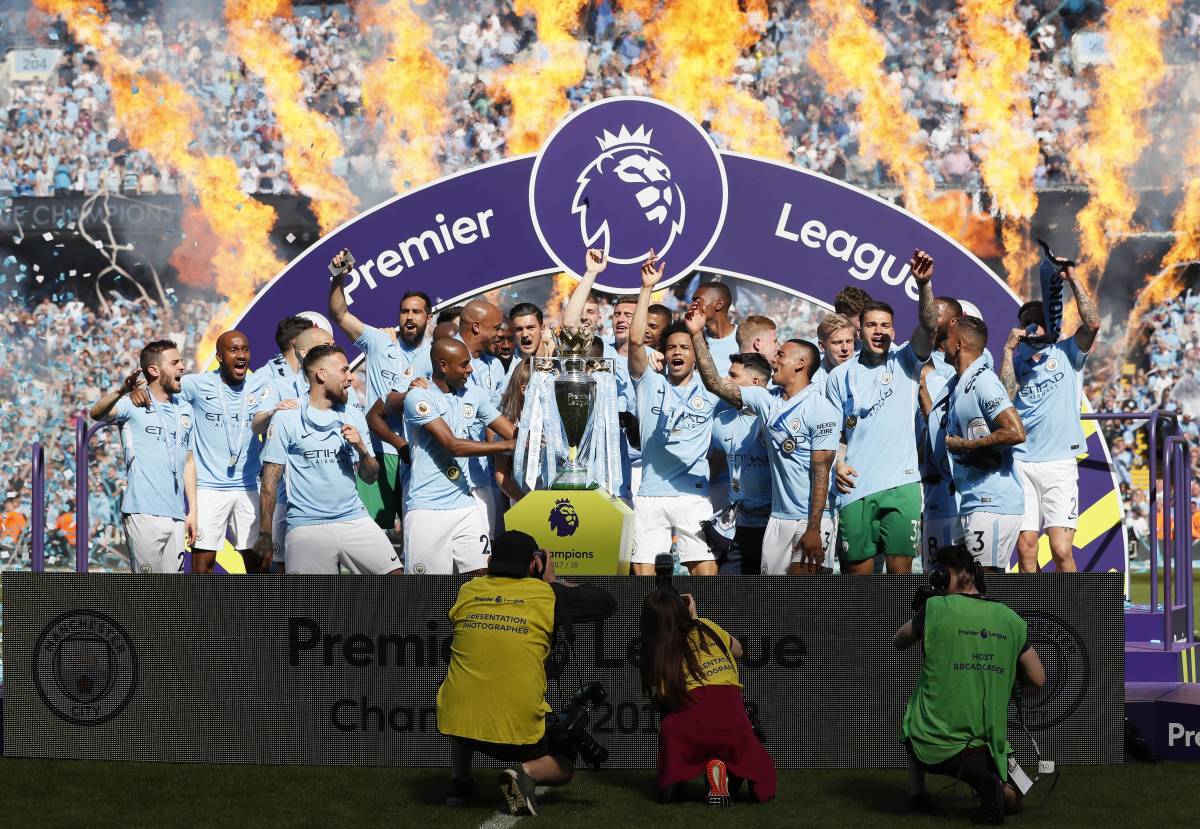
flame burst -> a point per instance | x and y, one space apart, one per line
998 113
1117 133
1185 251
310 144
536 85
159 117
561 286
404 92
848 55
696 46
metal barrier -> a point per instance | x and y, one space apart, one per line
37 521
83 440
1173 461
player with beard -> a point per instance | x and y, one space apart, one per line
159 463
1045 382
318 446
477 326
801 429
837 338
981 428
714 299
502 346
879 483
445 528
287 392
675 421
388 359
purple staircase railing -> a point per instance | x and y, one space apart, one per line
83 441
37 521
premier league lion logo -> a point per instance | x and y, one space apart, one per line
563 519
627 197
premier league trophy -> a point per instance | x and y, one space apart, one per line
575 394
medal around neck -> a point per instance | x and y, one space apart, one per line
575 395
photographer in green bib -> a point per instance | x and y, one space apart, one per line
975 648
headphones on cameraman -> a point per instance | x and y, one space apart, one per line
939 577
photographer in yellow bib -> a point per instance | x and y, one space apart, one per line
956 722
493 699
689 669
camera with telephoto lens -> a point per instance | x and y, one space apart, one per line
570 726
664 567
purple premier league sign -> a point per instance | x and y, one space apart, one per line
631 174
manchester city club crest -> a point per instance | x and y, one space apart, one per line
84 667
698 403
628 175
794 424
468 411
185 421
1051 364
887 378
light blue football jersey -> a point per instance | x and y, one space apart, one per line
387 361
941 500
222 428
156 441
675 423
794 428
985 481
878 405
1051 390
439 480
742 438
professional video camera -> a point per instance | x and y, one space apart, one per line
664 567
939 583
570 726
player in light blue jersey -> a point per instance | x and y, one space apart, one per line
714 301
160 466
318 447
758 335
477 326
940 523
528 328
228 460
742 438
445 528
1045 381
879 483
390 355
675 414
982 427
836 336
288 388
801 428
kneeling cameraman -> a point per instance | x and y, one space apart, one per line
493 697
957 718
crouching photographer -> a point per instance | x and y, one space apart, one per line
956 722
493 698
689 670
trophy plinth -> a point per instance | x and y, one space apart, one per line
575 394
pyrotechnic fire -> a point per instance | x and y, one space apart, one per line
310 144
1117 133
696 46
159 117
561 286
998 113
536 86
193 257
1185 251
848 55
404 92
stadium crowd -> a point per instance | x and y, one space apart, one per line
61 136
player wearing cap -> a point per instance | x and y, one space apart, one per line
982 426
801 429
317 447
445 528
879 483
740 436
675 415
388 357
1045 381
159 465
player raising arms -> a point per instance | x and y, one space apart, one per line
879 484
318 445
675 416
159 463
388 359
445 528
